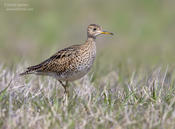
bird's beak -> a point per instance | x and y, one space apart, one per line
106 32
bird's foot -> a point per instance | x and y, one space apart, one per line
66 93
65 100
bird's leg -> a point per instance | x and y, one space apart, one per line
65 86
66 93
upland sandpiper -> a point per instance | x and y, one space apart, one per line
70 63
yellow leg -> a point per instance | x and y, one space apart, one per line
66 93
65 86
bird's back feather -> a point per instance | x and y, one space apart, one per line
56 63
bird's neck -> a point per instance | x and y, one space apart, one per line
90 46
90 43
90 40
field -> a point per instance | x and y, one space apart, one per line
131 84
142 99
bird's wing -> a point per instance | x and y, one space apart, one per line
59 62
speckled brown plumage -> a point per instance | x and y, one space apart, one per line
70 63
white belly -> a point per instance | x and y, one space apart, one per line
80 71
70 76
82 68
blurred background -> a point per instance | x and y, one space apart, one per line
31 31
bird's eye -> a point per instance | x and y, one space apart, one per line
94 29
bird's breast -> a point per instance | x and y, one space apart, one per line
80 64
86 61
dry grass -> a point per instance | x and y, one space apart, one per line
143 99
123 92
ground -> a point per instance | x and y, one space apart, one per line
131 85
143 99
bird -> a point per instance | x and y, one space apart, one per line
71 63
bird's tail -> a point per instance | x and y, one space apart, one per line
31 70
26 72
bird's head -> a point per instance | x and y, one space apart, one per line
94 30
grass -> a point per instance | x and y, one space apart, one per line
143 99
130 85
